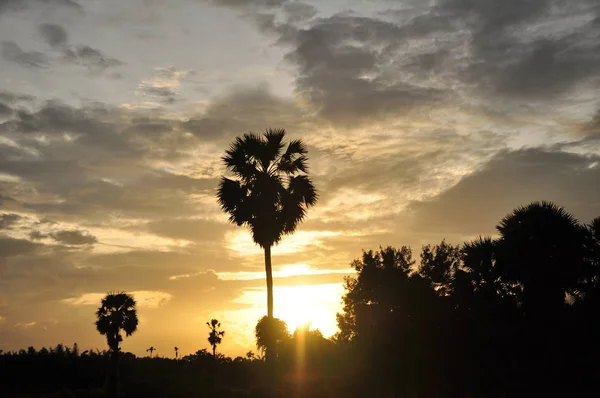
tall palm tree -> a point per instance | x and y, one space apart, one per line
176 351
151 350
117 312
270 192
215 336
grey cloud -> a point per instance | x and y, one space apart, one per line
5 110
37 235
502 55
360 69
537 70
164 195
103 165
55 117
165 91
199 231
165 94
592 127
74 237
91 58
475 204
14 5
54 35
243 109
249 3
12 52
298 12
344 69
11 98
10 247
7 220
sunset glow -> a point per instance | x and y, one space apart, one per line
315 305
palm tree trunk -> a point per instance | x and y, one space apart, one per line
113 387
269 271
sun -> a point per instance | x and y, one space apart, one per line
297 305
315 305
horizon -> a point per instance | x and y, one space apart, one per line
423 122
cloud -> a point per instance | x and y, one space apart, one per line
251 108
13 53
341 64
54 35
298 12
521 50
165 84
5 110
405 61
144 298
194 230
592 127
7 220
100 157
10 247
91 58
165 94
11 98
249 3
37 235
15 5
74 237
25 325
512 178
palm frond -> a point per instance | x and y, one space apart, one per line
232 196
268 193
272 146
302 187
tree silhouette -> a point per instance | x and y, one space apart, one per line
271 190
151 350
541 247
176 351
215 336
270 334
116 313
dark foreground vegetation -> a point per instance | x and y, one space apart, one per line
512 316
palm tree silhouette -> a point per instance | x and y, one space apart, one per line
215 335
541 247
270 334
271 190
151 350
116 313
176 351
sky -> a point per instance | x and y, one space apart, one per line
424 120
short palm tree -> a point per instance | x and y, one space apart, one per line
270 334
117 313
151 350
215 336
270 192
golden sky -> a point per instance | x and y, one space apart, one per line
424 120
